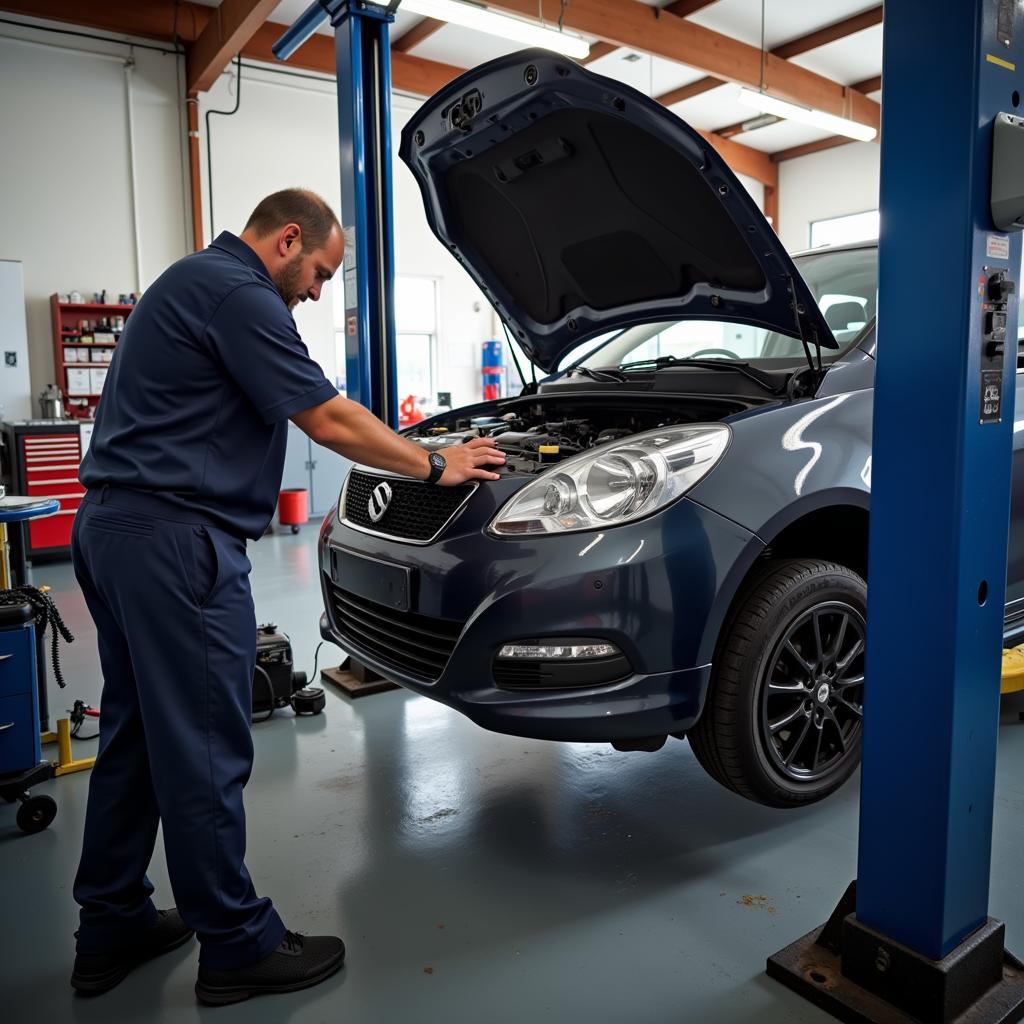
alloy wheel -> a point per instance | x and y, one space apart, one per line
812 692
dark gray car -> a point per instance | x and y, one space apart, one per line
678 543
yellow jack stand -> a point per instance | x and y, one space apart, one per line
66 763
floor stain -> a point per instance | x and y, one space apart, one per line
445 812
760 902
341 783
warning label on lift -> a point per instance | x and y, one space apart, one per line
991 396
997 247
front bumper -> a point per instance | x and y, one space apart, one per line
649 587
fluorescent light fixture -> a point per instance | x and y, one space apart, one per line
804 115
501 25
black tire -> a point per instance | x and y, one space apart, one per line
36 813
782 721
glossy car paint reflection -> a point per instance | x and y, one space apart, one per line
659 588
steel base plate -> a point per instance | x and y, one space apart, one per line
815 973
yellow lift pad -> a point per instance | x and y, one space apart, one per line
1013 670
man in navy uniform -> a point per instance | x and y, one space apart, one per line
185 464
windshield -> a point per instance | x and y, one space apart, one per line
844 284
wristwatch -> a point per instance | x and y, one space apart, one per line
437 466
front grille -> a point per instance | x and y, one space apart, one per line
419 645
418 511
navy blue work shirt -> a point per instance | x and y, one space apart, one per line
196 404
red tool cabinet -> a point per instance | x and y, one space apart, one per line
43 460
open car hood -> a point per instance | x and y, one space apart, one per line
579 205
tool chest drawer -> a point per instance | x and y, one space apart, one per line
44 463
17 661
19 733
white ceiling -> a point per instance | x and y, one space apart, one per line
783 19
650 75
451 45
848 60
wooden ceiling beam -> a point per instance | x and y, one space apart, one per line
650 30
686 92
794 47
150 19
744 159
868 85
408 73
829 34
154 19
421 31
598 50
684 8
810 147
230 27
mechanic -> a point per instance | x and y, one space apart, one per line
185 464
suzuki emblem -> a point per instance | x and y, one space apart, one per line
380 499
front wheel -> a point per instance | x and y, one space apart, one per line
782 720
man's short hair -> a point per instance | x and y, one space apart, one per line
294 206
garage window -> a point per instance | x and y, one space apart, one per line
416 336
855 227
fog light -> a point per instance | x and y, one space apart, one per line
559 663
541 652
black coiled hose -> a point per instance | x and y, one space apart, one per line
47 614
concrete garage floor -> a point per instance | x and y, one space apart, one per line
474 877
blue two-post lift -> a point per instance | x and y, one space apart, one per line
363 59
912 939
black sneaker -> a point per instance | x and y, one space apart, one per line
95 973
299 962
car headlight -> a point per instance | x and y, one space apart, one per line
615 483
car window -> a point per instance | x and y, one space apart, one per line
843 282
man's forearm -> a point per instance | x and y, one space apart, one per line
354 432
351 431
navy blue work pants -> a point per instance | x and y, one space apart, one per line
177 636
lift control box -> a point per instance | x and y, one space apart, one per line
996 288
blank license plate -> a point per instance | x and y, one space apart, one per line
382 582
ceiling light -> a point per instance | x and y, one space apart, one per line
501 25
804 115
760 121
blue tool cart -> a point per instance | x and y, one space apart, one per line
21 761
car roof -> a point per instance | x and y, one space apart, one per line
845 247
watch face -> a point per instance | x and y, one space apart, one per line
437 460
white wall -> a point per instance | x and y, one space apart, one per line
466 317
831 183
15 384
755 188
65 206
285 134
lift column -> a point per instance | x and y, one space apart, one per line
920 942
363 58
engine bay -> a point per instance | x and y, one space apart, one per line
535 433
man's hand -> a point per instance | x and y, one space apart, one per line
352 431
469 461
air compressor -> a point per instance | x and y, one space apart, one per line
275 682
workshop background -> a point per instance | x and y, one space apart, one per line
477 877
